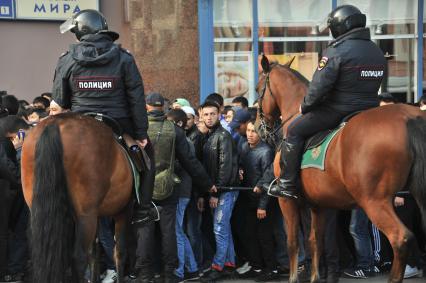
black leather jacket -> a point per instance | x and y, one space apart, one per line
220 157
97 75
255 162
197 138
348 76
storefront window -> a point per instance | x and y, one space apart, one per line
400 79
387 16
291 28
291 18
234 70
232 18
306 54
233 56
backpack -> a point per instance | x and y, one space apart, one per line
163 135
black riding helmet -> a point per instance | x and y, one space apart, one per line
87 22
345 18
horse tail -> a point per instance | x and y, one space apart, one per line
52 224
417 145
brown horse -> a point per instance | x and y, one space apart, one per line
73 171
378 152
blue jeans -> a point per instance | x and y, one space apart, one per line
106 238
184 249
222 230
193 229
359 229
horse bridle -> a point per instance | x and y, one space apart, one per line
267 130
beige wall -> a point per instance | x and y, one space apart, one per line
29 50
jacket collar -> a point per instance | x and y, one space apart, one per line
357 33
156 115
215 127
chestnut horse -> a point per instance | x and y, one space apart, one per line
378 152
73 171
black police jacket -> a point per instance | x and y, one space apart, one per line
255 163
220 157
97 75
348 76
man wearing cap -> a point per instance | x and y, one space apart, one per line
97 75
164 134
386 98
180 102
239 124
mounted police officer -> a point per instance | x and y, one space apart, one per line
347 80
97 75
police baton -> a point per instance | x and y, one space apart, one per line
232 189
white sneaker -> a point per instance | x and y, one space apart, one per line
110 276
411 272
244 268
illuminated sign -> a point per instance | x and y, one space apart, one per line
56 10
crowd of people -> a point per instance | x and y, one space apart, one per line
204 228
202 236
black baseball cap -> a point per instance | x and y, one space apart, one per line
241 116
155 99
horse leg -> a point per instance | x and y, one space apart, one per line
94 260
384 217
85 235
291 214
121 226
316 241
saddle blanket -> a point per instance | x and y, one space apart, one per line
315 157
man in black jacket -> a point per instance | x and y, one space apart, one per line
220 159
167 223
256 158
97 75
347 80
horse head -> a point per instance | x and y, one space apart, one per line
280 90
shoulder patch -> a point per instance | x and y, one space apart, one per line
322 63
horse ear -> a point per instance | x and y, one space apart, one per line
265 64
288 64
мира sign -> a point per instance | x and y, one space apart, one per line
55 10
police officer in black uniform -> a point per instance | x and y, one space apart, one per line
97 75
347 80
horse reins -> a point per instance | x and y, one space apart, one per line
268 130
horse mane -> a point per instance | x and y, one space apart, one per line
298 75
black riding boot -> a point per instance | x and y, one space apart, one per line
291 156
145 212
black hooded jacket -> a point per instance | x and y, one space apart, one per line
97 75
348 76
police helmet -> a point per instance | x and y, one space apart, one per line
345 18
87 22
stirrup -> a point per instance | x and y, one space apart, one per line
149 218
283 192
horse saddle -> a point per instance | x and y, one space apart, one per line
138 157
321 136
316 146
